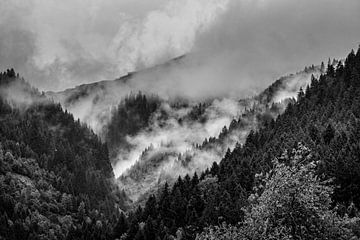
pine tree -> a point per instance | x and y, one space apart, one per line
121 226
149 229
328 134
150 207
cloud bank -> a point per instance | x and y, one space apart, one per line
246 43
61 44
255 42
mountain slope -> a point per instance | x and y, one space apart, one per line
56 180
165 161
325 118
127 137
92 102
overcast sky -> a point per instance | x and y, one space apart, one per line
60 44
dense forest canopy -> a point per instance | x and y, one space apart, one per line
56 178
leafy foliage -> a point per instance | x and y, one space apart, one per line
290 202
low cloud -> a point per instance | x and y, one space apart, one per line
60 45
237 43
257 41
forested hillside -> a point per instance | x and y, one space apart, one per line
326 120
56 179
127 119
135 128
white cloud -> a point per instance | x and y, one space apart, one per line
61 44
80 41
165 33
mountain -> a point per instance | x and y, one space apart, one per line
184 167
157 163
132 124
316 135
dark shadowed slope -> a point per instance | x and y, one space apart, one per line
56 180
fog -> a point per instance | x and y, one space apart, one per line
239 43
57 45
168 149
179 137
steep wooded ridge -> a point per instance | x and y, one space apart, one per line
56 179
325 118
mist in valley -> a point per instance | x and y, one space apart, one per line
215 53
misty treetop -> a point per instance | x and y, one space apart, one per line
128 118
